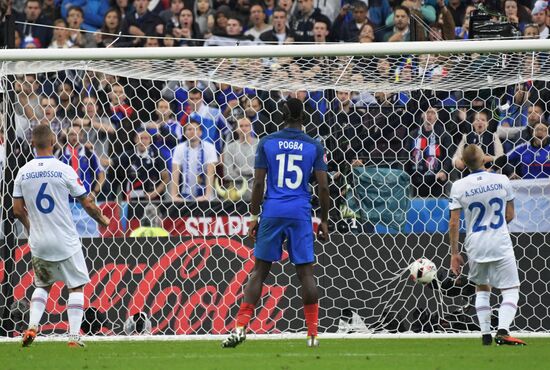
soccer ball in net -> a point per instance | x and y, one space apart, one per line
423 270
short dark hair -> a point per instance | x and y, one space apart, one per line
403 8
77 8
194 90
42 136
360 4
280 9
293 111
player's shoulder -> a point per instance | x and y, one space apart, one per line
497 177
208 146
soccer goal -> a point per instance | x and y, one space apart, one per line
392 118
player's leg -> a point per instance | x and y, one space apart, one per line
310 299
268 248
479 275
507 280
37 307
252 293
483 310
75 313
75 276
44 277
301 253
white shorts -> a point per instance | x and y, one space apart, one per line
72 271
501 274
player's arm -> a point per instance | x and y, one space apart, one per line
257 197
20 212
324 200
510 211
454 228
93 210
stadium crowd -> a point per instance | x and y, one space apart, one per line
151 140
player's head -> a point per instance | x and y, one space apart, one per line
43 137
293 111
473 157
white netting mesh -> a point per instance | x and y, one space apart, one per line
392 126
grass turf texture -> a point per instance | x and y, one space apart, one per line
341 354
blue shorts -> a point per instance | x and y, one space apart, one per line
272 233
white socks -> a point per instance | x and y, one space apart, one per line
75 311
508 308
38 305
483 309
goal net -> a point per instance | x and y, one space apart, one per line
175 258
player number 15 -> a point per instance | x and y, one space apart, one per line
290 167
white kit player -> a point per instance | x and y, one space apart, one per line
488 204
41 202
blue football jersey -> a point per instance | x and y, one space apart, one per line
290 157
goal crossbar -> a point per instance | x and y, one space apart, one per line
261 51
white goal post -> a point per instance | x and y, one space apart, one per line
368 104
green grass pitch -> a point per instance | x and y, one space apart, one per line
340 354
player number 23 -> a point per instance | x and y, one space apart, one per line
290 167
497 212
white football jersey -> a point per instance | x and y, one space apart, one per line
45 183
483 196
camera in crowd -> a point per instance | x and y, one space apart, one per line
487 24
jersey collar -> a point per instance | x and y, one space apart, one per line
292 129
44 157
478 171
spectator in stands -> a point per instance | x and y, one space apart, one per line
141 23
514 113
86 164
347 30
170 15
214 127
93 12
50 9
457 9
166 131
34 22
430 156
49 117
27 107
124 7
221 17
257 22
321 31
98 128
83 160
419 8
233 35
143 169
539 18
204 16
119 106
193 166
488 141
516 13
445 23
254 111
401 22
532 159
186 28
280 34
112 23
304 19
366 33
531 31
75 17
288 5
238 158
462 31
61 38
67 100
